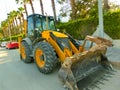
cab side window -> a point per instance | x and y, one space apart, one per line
51 25
38 24
30 27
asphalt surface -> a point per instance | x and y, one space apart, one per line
16 75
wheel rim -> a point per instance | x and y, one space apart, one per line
40 58
23 54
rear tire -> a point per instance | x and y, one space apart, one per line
45 57
25 53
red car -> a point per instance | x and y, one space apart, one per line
11 45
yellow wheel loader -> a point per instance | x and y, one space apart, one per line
44 44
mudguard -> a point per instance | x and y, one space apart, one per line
28 41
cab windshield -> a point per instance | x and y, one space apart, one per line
48 23
38 23
44 23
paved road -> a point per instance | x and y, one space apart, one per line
16 75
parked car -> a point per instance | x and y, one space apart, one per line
3 44
11 45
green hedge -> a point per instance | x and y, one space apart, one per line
82 27
112 24
14 38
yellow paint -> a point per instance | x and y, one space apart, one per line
74 49
25 27
39 62
60 53
22 52
57 49
60 35
19 43
57 34
67 52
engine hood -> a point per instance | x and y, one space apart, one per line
55 33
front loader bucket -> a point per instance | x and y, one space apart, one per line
88 64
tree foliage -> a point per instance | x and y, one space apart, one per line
82 27
78 8
13 24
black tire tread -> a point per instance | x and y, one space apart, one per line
49 54
28 53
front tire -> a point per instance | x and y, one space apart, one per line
45 57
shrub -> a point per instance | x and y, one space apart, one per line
82 27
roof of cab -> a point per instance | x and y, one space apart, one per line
50 17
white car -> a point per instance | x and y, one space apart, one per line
3 44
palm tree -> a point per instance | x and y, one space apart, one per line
12 16
10 23
41 5
1 33
73 7
106 6
21 18
24 2
54 10
15 21
4 27
21 11
30 1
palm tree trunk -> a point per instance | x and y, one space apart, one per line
10 28
20 26
14 30
4 32
22 22
16 25
33 11
25 9
41 5
106 6
73 7
22 17
54 10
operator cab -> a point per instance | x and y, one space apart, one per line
38 23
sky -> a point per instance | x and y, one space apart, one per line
8 5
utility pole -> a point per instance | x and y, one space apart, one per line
100 12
